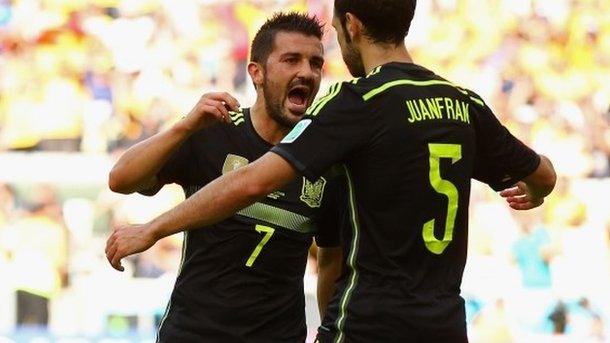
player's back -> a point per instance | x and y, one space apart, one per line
411 185
413 177
411 142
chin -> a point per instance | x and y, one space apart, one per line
294 118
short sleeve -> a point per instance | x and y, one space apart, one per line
181 166
501 159
335 127
333 216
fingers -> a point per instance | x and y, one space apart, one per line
217 109
112 255
116 262
110 242
213 107
111 252
518 199
512 192
226 98
525 205
112 247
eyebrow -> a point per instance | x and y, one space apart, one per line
298 54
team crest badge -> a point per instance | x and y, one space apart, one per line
312 193
233 162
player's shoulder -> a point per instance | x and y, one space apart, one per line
397 75
238 118
386 77
215 135
344 94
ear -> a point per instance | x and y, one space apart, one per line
257 73
354 26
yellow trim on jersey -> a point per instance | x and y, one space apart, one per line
236 117
375 70
351 259
316 107
478 101
371 94
279 216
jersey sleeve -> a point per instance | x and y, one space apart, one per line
334 127
501 159
180 168
333 216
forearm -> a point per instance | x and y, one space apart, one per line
141 163
326 289
329 270
215 202
225 196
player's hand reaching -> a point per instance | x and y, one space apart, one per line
127 240
519 197
210 109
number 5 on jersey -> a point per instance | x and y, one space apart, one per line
441 186
268 231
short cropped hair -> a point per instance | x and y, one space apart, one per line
263 42
385 21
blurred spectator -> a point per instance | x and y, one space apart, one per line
492 325
559 318
582 242
8 204
98 76
96 67
158 260
533 252
584 320
37 245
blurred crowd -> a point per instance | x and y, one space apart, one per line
94 77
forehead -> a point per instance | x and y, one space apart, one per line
294 42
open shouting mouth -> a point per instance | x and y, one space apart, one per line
298 99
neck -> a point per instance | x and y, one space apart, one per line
374 54
264 125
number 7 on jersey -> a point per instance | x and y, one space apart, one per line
268 231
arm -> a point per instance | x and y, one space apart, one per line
218 200
530 192
329 270
137 168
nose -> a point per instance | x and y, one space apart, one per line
306 70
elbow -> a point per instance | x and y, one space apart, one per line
115 182
256 190
549 178
551 181
543 180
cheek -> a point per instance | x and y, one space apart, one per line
317 80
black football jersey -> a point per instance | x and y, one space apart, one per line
241 280
410 143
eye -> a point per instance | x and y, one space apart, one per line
292 60
317 64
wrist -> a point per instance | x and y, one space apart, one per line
156 231
185 127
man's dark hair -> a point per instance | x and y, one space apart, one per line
262 44
385 21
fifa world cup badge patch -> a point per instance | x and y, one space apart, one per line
298 129
233 162
312 193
